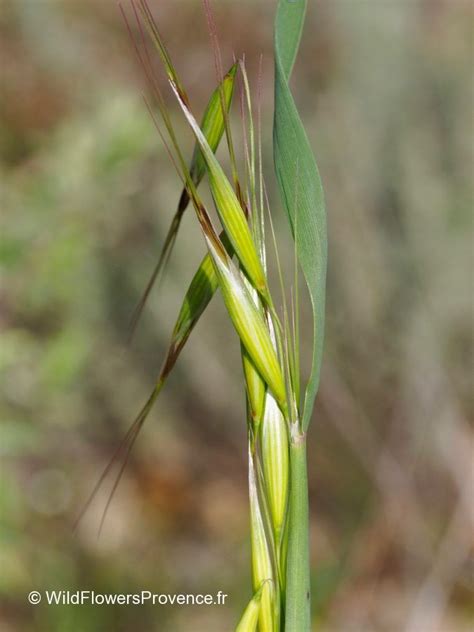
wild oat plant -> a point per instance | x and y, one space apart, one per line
278 408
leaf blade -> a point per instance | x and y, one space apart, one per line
298 178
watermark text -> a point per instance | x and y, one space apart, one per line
141 598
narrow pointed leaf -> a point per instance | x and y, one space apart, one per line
303 200
299 183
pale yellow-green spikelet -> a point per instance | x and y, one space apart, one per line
254 384
262 569
249 619
228 207
255 387
249 323
213 122
275 462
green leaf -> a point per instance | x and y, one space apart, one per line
302 196
299 183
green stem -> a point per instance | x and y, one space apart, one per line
297 608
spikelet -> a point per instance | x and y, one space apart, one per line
248 322
262 567
228 207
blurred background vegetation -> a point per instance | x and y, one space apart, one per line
87 192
